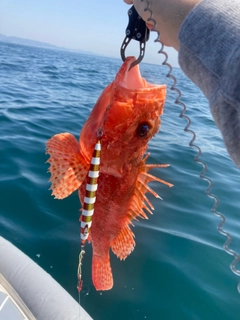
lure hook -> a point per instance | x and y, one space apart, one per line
136 30
79 270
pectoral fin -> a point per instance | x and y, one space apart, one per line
67 167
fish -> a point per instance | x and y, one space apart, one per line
127 114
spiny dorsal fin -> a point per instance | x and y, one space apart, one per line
139 200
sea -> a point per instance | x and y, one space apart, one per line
179 269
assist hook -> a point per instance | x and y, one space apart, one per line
136 30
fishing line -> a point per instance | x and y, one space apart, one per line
79 277
193 145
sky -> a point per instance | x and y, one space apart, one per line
91 25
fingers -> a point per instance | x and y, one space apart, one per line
128 1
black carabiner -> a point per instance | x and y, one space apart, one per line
136 30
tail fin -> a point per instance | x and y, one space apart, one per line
102 272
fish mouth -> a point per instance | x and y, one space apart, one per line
130 79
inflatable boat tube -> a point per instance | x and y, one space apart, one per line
28 292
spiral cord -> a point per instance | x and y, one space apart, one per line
193 145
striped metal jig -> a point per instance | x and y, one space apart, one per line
88 204
90 195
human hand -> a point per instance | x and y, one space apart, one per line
168 14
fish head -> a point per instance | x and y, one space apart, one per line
128 114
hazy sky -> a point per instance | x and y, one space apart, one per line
91 25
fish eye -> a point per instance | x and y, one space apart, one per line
143 129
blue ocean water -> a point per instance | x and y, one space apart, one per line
178 269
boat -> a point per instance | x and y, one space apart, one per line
27 292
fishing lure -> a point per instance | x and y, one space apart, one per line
90 195
88 205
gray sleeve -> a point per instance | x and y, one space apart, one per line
209 55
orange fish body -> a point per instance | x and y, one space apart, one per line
127 113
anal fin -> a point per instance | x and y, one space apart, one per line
124 243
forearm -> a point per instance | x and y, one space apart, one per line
209 55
